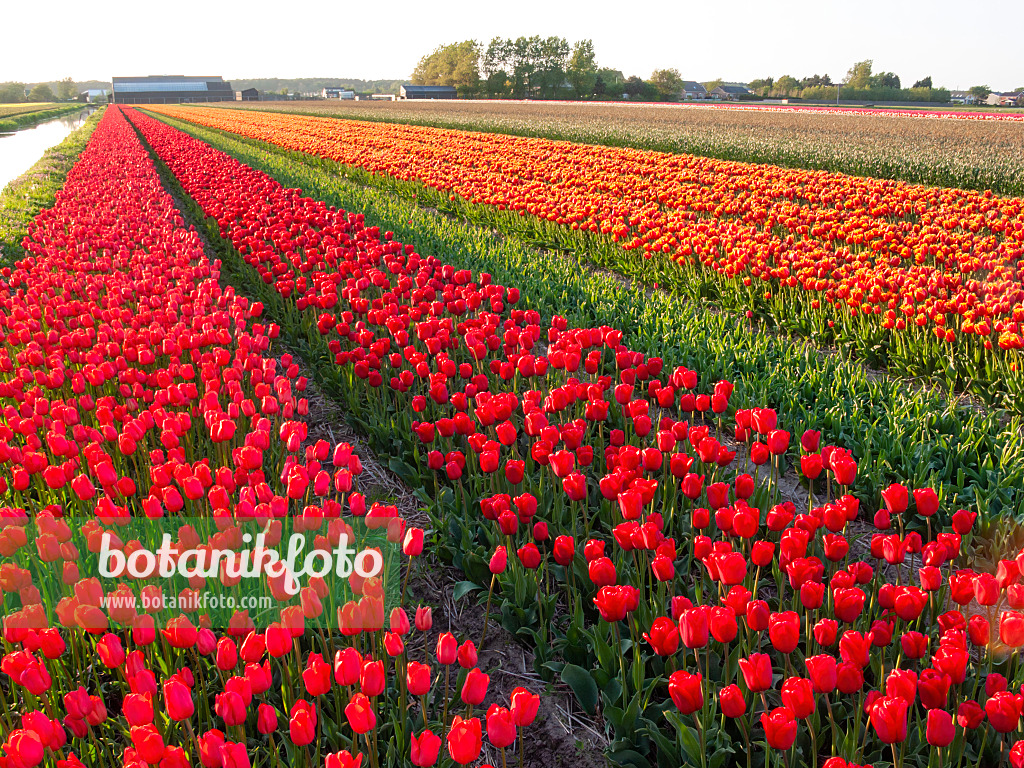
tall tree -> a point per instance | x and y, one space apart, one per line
859 75
582 69
12 93
454 64
885 80
980 92
41 92
611 76
762 86
786 85
668 83
710 85
66 89
924 82
552 65
633 86
496 67
810 82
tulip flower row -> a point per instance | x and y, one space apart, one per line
535 455
134 386
925 114
820 254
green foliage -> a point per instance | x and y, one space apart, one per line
815 80
12 93
453 64
582 69
532 66
980 92
924 82
885 80
667 83
66 89
41 92
633 86
786 86
710 85
611 77
859 75
762 86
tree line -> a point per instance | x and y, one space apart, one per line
60 90
551 67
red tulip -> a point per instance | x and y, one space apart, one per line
465 740
524 706
757 672
1004 710
687 691
693 627
424 748
784 631
1011 628
663 636
888 716
779 728
266 719
730 699
178 700
501 728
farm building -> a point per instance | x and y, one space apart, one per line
694 90
428 92
729 92
170 89
249 94
93 95
337 93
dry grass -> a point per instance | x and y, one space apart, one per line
957 153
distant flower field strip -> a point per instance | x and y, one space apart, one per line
809 109
595 490
939 266
969 154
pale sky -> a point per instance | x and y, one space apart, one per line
958 44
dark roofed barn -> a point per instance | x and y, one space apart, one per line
730 92
428 92
170 89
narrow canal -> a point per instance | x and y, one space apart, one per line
20 150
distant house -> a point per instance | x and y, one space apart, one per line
961 97
93 95
693 90
428 92
249 94
337 93
729 92
1012 99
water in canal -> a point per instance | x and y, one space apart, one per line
20 150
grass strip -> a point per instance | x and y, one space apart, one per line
25 119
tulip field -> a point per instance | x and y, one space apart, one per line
715 580
919 279
969 149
